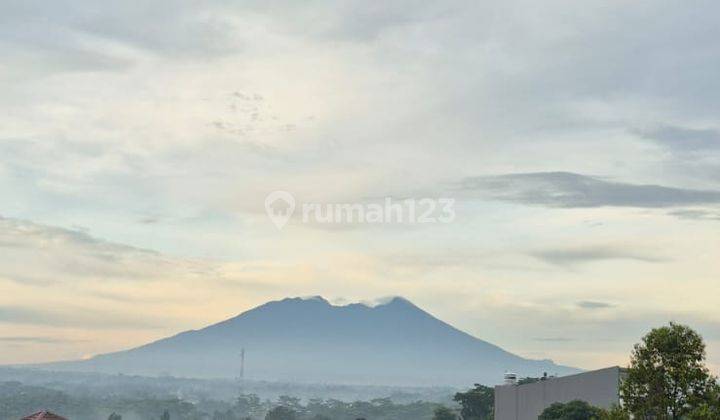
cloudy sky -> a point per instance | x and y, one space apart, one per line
580 141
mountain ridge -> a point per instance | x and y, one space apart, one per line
312 340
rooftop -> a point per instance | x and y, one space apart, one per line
44 415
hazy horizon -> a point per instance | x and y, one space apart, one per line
578 144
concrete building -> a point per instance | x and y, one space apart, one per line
525 402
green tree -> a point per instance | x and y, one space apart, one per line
708 409
615 413
281 413
444 413
477 403
115 416
573 410
667 377
290 402
248 405
165 415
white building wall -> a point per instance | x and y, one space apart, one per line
525 402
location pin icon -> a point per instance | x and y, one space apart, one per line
279 206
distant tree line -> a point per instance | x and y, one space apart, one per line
18 400
290 408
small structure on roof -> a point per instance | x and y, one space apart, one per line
44 415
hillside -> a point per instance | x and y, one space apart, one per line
310 340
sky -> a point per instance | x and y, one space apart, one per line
580 142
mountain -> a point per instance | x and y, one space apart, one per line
310 340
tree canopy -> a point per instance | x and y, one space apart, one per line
667 377
444 413
477 403
573 410
281 413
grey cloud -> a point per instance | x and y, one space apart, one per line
365 21
348 21
591 304
696 214
40 59
615 331
183 29
682 139
17 233
38 46
553 339
148 220
572 190
78 317
582 255
57 255
36 340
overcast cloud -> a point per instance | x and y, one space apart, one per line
684 140
138 142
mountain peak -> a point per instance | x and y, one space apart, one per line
390 301
292 301
317 298
398 301
309 339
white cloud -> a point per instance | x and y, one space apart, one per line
163 126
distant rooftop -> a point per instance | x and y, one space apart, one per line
44 415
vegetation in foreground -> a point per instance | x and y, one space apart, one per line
667 380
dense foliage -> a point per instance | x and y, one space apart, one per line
444 413
477 403
281 413
667 377
573 410
581 410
